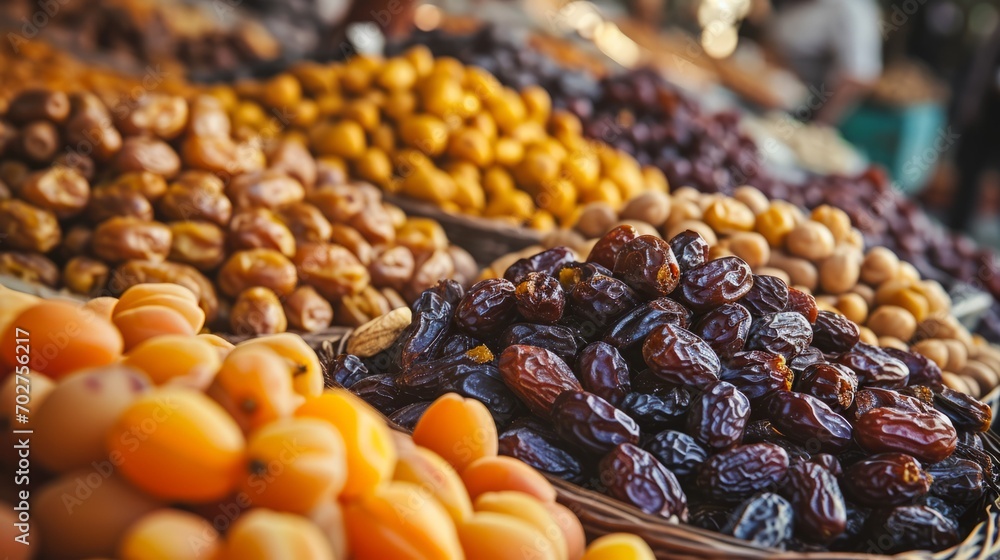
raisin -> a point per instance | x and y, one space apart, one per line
600 300
807 420
426 331
634 476
487 307
769 294
765 520
344 370
381 392
802 303
690 249
635 326
677 451
541 452
540 298
923 371
537 376
718 416
658 411
592 423
757 374
724 328
833 384
408 416
606 249
964 411
886 479
911 527
875 367
547 262
555 338
834 333
784 333
828 462
603 371
960 481
648 266
929 436
734 474
716 282
679 357
820 511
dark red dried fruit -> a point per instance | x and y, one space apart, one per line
633 328
724 328
428 379
833 384
828 462
648 266
964 411
716 282
928 436
408 416
769 294
911 527
487 308
555 338
540 298
603 371
875 367
735 474
592 423
834 333
381 392
718 416
690 249
606 249
426 331
820 511
809 421
959 481
600 300
803 304
543 453
659 410
886 479
547 262
536 376
757 374
679 357
786 333
344 370
635 477
873 397
922 370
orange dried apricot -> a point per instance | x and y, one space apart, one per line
460 430
572 529
103 306
253 385
619 546
170 534
527 508
494 474
306 373
175 358
140 291
261 534
494 536
221 345
183 305
150 321
427 469
329 517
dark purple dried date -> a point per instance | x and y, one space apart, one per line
536 376
718 416
786 333
488 307
677 451
690 249
769 294
922 370
820 511
635 477
757 374
803 304
429 379
426 331
834 333
601 300
603 371
574 273
724 328
592 423
833 384
408 416
873 397
828 462
635 326
382 392
679 357
547 262
733 475
928 436
487 386
886 479
959 481
809 421
540 298
606 249
764 520
543 453
449 290
457 342
648 266
555 338
660 410
965 412
716 282
875 367
911 528
806 358
344 370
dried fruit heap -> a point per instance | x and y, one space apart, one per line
695 389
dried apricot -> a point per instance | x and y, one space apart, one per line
149 321
175 358
460 430
526 508
495 536
170 534
253 385
427 469
494 474
262 534
619 546
303 364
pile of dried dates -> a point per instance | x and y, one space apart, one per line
695 390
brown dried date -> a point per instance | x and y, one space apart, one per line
820 511
833 384
256 312
408 416
872 397
807 420
536 376
769 294
757 374
264 189
633 328
117 200
547 262
658 410
648 266
540 298
33 104
257 267
381 392
803 304
690 249
734 474
428 270
606 250
199 244
543 453
39 141
85 275
833 333
603 372
142 153
60 190
718 416
828 462
449 290
487 386
923 371
356 243
307 311
716 282
430 378
124 238
260 228
488 307
306 222
426 331
679 357
555 338
786 333
31 267
333 270
677 451
27 228
187 202
592 423
960 481
574 273
911 527
806 358
875 367
635 477
764 520
600 300
392 268
344 370
928 436
724 328
964 411
886 479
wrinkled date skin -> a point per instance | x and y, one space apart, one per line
802 303
344 370
487 386
635 326
536 376
828 462
873 397
679 357
648 266
449 290
820 511
809 421
922 370
782 333
690 249
456 343
886 479
427 379
540 298
769 294
833 384
382 392
606 250
603 372
875 367
928 436
965 412
488 307
757 374
724 328
718 416
408 416
834 333
677 451
547 262
426 331
592 423
659 410
540 452
716 282
806 358
574 273
764 520
737 473
555 338
635 477
601 300
911 527
959 481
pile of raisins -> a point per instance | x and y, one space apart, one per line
693 389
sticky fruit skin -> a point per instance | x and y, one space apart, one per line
171 533
427 469
178 444
460 430
262 534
